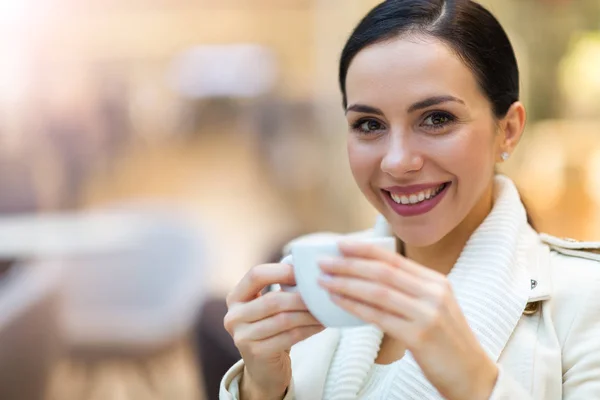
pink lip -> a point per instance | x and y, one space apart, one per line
411 210
412 188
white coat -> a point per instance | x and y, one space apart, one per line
552 354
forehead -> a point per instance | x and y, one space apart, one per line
408 69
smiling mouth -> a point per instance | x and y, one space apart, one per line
417 197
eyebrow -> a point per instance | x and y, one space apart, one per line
361 108
432 101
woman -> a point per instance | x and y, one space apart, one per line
477 307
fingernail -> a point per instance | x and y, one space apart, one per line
334 297
344 244
325 279
328 262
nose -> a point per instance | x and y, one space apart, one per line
401 157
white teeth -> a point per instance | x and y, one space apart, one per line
416 198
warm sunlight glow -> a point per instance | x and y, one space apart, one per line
593 176
13 12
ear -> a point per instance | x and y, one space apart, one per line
511 129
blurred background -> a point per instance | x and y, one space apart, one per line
151 152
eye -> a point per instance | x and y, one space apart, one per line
438 120
366 126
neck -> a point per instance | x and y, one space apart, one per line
442 256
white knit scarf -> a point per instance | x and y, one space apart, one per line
491 286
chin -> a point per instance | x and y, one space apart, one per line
421 236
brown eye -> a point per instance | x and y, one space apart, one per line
438 120
368 126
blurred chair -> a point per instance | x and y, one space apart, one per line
217 82
239 70
134 302
140 294
126 284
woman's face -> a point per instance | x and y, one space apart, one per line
422 140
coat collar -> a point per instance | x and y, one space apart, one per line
537 255
495 277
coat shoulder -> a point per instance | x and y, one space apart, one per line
575 269
573 248
572 261
575 301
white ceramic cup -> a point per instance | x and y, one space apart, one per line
305 257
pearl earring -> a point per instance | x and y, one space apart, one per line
505 156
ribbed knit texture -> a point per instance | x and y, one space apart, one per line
376 381
353 359
491 286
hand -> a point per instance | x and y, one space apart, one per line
264 328
415 305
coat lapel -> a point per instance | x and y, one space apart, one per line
311 359
354 358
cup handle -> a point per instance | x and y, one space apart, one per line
287 288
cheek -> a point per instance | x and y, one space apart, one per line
469 156
364 162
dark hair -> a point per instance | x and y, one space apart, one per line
467 27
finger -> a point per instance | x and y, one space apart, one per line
285 340
275 325
385 321
265 306
257 278
373 270
374 294
373 252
